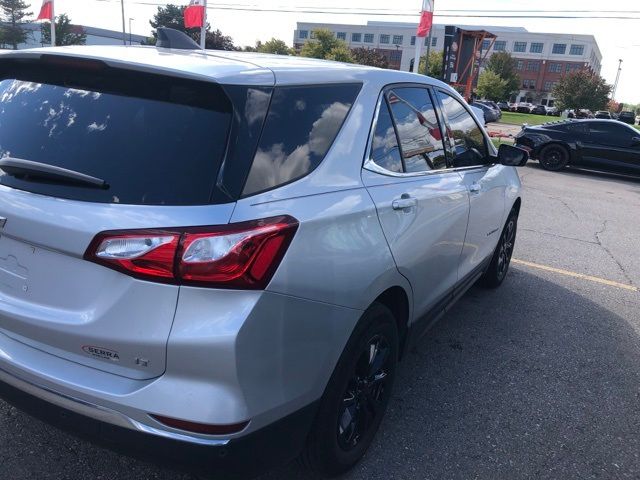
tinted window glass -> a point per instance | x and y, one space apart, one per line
418 129
300 128
612 133
163 147
577 127
385 152
468 141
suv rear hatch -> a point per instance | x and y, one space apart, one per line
158 144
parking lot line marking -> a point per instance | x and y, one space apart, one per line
568 273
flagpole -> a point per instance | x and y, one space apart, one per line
416 60
124 30
203 29
53 23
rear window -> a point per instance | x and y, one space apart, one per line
155 140
300 128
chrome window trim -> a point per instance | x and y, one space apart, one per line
372 166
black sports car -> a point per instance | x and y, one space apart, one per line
598 144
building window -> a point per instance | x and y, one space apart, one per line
576 50
500 46
559 48
368 38
395 56
341 35
555 67
573 67
485 45
536 47
434 41
519 65
398 39
529 83
384 38
533 66
413 39
303 34
520 47
548 86
356 37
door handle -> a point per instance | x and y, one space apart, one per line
475 188
404 202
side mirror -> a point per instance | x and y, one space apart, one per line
512 156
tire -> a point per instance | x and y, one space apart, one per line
499 266
356 396
554 157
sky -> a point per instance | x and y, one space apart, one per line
618 39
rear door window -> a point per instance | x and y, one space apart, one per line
302 123
418 129
154 140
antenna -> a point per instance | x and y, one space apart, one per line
172 38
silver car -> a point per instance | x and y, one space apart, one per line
228 253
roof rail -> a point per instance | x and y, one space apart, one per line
172 38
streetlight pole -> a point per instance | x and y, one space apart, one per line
130 30
124 31
615 85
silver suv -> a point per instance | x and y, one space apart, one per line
227 253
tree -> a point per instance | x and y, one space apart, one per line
276 46
12 16
172 16
370 57
582 89
66 33
503 64
326 46
435 64
491 86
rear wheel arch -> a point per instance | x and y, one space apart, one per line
396 299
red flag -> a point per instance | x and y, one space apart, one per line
46 11
426 19
194 14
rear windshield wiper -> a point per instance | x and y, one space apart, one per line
28 170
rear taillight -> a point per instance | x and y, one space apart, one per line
242 255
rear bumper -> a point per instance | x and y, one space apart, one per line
251 454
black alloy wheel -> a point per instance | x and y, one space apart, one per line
357 395
554 157
505 248
499 266
364 397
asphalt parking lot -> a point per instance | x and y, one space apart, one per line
538 379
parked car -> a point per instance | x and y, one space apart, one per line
539 110
553 111
598 144
490 115
603 114
627 117
524 107
494 106
504 106
479 113
200 260
513 106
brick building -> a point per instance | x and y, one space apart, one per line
542 58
